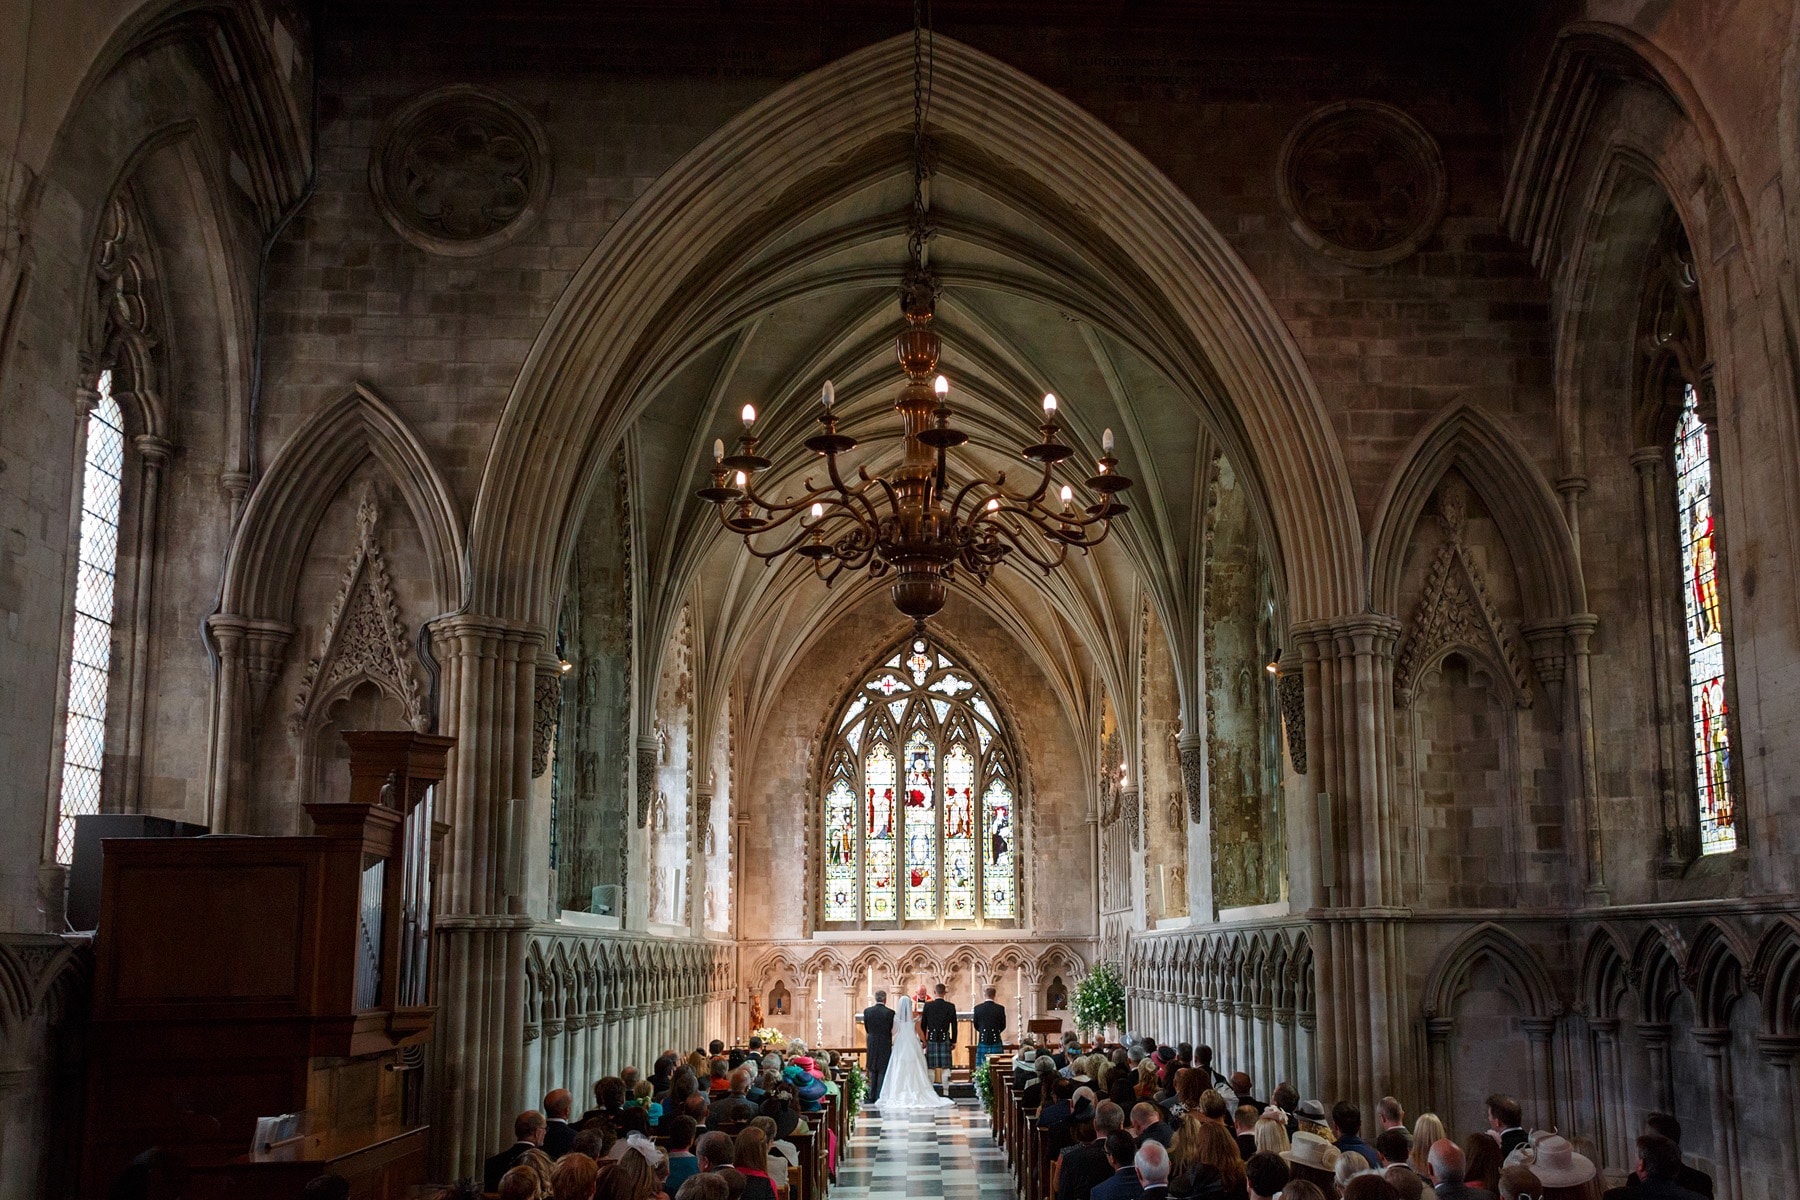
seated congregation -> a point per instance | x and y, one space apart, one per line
751 1123
1155 1122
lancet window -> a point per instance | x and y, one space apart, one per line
920 797
90 652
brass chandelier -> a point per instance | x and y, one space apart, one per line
914 523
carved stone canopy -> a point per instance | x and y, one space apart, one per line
364 637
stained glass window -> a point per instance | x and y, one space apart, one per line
932 842
1705 637
879 882
90 654
840 845
997 867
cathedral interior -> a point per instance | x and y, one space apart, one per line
369 368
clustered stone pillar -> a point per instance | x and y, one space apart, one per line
489 674
1359 947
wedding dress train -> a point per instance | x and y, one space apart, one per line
907 1087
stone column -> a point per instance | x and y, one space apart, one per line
1438 1031
251 654
1608 1084
1287 1063
478 1077
1365 1023
1540 1032
1779 1053
1715 1044
1665 687
1192 748
1655 1037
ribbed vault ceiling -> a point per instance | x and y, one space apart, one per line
1027 306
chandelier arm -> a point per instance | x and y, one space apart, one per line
849 493
1027 547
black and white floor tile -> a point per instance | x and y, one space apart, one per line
947 1155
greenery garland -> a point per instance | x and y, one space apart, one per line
1099 999
984 1085
855 1085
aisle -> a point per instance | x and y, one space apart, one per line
948 1156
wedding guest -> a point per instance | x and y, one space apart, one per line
1245 1118
1272 1135
1522 1183
1427 1132
1482 1162
1265 1174
684 1164
1121 1155
575 1177
752 1162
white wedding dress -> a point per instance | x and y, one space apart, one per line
907 1085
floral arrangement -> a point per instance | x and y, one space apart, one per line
772 1038
856 1085
984 1084
1099 999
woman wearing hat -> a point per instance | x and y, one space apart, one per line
1565 1174
1313 1158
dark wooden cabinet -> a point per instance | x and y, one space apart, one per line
247 977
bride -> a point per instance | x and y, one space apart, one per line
907 1086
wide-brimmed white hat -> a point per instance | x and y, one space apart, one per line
1558 1165
1311 1150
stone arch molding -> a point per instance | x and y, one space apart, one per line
254 623
584 380
1471 441
1524 973
270 545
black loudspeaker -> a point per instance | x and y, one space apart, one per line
84 871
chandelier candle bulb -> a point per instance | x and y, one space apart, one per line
941 386
1049 404
749 415
1068 494
718 449
994 504
818 510
827 394
1106 442
740 480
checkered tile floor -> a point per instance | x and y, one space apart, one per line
948 1155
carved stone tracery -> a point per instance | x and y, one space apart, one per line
1362 182
1455 609
364 636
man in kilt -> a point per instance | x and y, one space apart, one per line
989 1020
940 1036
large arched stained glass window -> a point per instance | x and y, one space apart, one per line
920 794
1705 633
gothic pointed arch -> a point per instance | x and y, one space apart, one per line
269 547
632 299
1523 973
1471 441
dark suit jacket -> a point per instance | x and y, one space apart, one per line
1159 1133
732 1108
1082 1168
501 1163
878 1029
1247 1146
559 1137
1685 1176
1660 1189
940 1018
989 1020
1124 1185
1512 1139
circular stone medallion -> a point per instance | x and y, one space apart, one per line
460 170
1362 182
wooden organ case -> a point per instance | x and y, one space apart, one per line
238 978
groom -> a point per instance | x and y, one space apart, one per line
940 1036
878 1039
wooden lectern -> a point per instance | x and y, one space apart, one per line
238 978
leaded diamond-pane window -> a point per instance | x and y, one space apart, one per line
90 652
918 801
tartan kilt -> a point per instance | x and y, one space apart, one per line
938 1055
